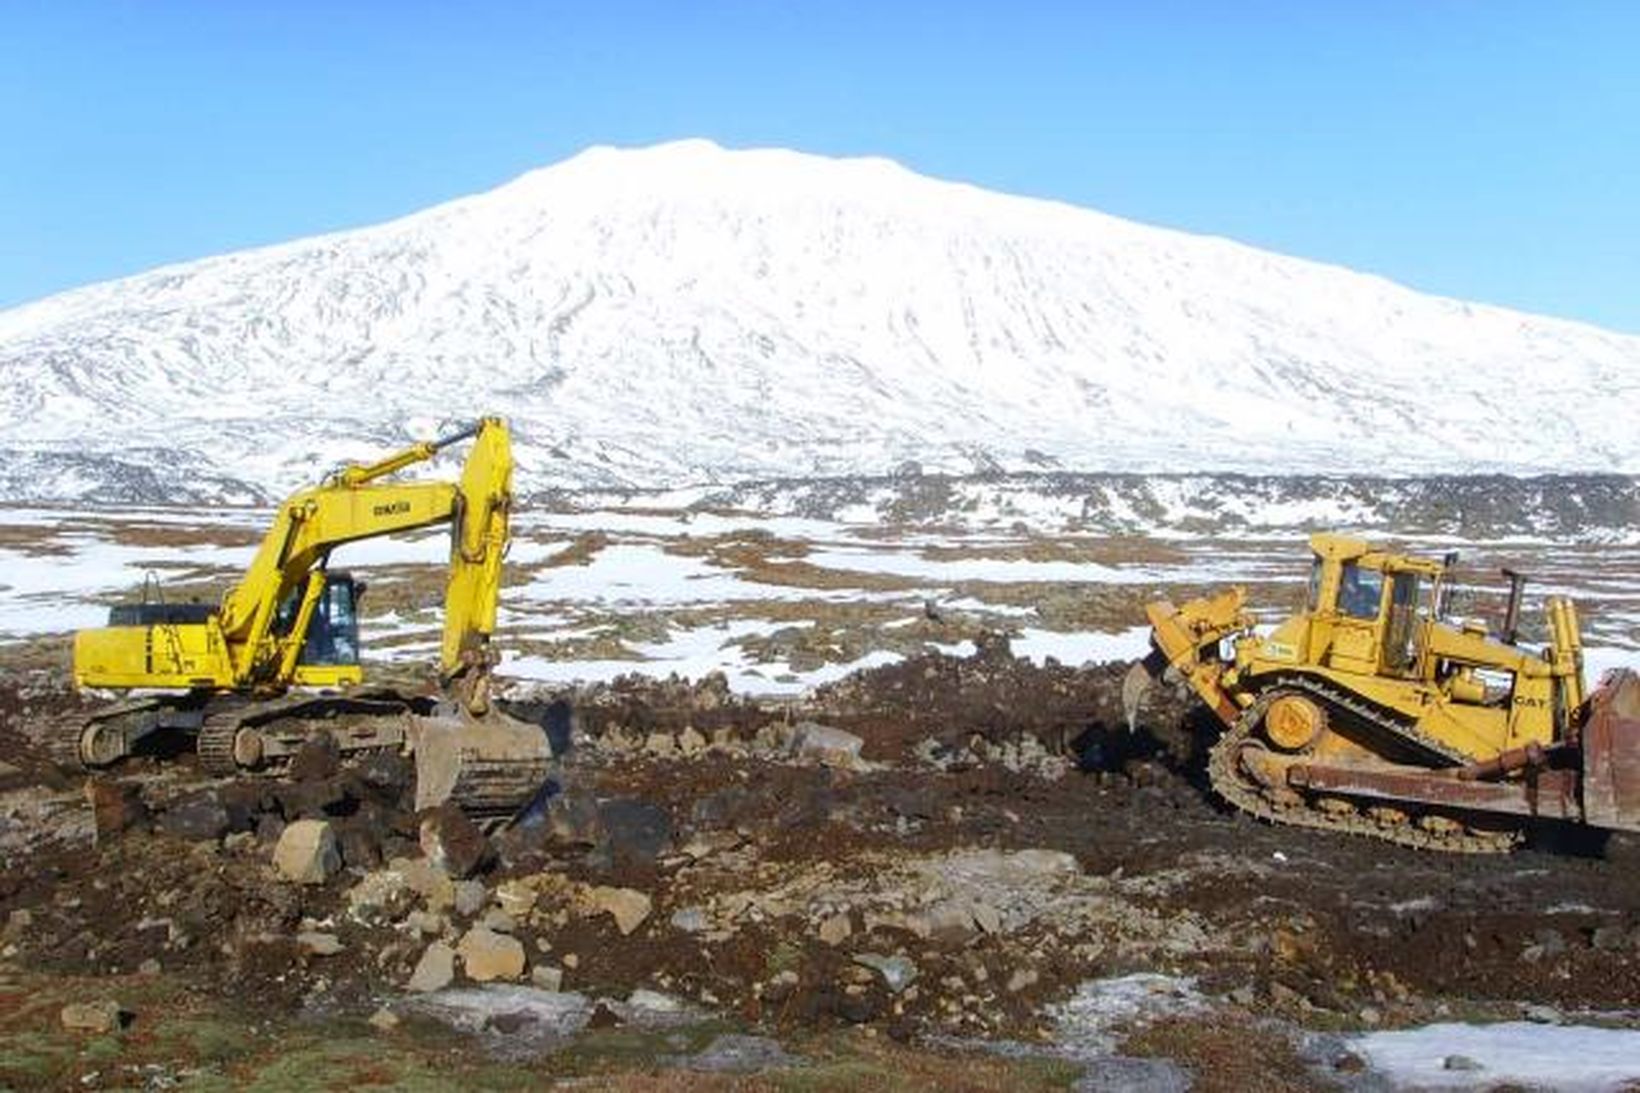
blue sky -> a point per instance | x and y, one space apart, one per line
1489 151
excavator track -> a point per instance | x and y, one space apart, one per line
214 746
109 735
294 718
1404 823
62 748
491 768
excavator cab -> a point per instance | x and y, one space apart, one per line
330 649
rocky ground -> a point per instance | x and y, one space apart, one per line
944 873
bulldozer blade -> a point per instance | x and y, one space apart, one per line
1140 678
492 766
1611 754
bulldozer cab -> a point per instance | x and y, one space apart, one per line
1368 610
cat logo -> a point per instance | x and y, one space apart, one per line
393 508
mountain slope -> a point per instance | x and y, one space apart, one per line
685 313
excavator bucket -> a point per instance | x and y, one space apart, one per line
493 766
1611 754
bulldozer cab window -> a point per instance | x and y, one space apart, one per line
1403 618
1360 591
1315 585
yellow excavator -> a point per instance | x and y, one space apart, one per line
253 677
1368 712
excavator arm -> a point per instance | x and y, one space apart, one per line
478 543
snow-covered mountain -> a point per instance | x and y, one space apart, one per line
685 313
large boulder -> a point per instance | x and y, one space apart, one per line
488 955
307 852
115 807
312 800
633 832
435 970
200 817
453 842
103 1015
827 746
316 760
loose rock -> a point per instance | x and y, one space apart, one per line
487 955
631 831
898 972
627 906
470 897
827 746
307 852
100 1016
199 818
435 970
317 759
453 842
836 929
115 807
318 944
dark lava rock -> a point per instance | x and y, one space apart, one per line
312 800
269 826
200 817
722 808
317 759
633 831
572 818
115 807
387 774
453 841
358 842
245 801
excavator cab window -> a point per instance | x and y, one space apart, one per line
333 635
1360 591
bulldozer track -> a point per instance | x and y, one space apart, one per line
1228 781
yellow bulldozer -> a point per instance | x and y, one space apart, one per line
1368 712
276 661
